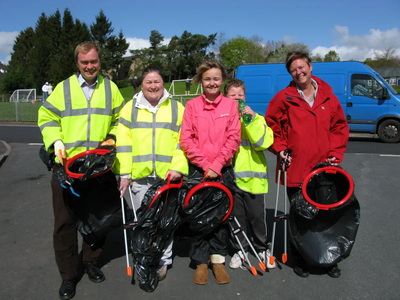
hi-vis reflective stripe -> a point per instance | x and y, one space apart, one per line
149 157
250 174
70 112
86 144
124 149
49 124
259 143
164 125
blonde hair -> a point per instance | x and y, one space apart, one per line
207 65
85 47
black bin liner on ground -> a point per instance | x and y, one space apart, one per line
324 237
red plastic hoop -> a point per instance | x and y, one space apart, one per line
164 188
331 170
74 158
205 184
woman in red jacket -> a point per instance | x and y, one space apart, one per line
308 119
210 137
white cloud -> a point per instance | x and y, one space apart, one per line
6 44
361 47
136 44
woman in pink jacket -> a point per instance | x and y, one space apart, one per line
210 137
308 119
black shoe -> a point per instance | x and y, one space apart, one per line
300 268
94 273
67 289
334 272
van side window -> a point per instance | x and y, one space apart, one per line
366 85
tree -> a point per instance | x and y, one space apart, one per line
384 58
317 58
279 55
113 48
239 51
332 56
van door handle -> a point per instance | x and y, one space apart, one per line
349 104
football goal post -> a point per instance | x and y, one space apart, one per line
178 88
23 95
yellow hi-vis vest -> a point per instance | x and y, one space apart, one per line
80 124
251 171
149 142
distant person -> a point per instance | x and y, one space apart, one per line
308 119
81 114
187 91
45 90
135 83
251 179
49 89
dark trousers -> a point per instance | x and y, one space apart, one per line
65 237
213 243
295 253
249 208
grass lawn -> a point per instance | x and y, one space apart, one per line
27 112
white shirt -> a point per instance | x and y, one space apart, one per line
86 88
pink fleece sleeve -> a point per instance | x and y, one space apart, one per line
188 140
232 142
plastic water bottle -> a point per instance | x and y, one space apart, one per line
246 117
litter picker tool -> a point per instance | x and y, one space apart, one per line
236 231
284 165
127 226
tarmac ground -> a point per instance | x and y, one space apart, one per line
28 269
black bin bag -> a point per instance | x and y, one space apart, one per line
91 195
157 220
324 216
205 204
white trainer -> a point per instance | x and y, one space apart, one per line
265 257
162 272
237 260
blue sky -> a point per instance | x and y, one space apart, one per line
353 28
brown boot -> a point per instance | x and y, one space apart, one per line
201 274
221 276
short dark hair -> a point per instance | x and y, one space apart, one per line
207 65
151 69
85 47
234 83
292 56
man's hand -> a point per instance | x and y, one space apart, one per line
211 174
109 142
59 150
174 175
123 185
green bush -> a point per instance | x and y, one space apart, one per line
397 88
122 83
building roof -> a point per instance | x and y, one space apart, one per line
388 71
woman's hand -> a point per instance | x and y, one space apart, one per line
333 161
211 174
174 175
285 157
123 185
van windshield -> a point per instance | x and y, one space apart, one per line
386 84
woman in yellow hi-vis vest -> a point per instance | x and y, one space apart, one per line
148 143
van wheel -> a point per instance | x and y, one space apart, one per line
389 131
